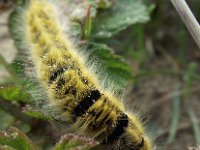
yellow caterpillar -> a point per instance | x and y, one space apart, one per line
72 88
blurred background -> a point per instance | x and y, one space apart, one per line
143 45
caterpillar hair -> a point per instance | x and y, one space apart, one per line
72 87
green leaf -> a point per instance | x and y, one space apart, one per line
11 93
15 23
6 120
104 4
18 67
112 66
15 139
73 142
88 23
36 113
24 127
123 14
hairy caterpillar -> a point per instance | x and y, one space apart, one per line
72 88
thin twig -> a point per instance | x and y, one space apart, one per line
168 97
188 18
181 127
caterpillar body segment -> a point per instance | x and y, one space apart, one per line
73 89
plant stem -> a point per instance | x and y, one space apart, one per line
195 124
175 118
192 68
188 18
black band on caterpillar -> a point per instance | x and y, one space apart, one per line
55 75
86 103
122 123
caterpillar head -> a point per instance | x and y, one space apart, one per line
127 143
141 143
134 137
131 135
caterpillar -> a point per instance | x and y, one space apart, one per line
72 88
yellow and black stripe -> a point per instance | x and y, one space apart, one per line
72 89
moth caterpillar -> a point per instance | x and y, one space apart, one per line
73 88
